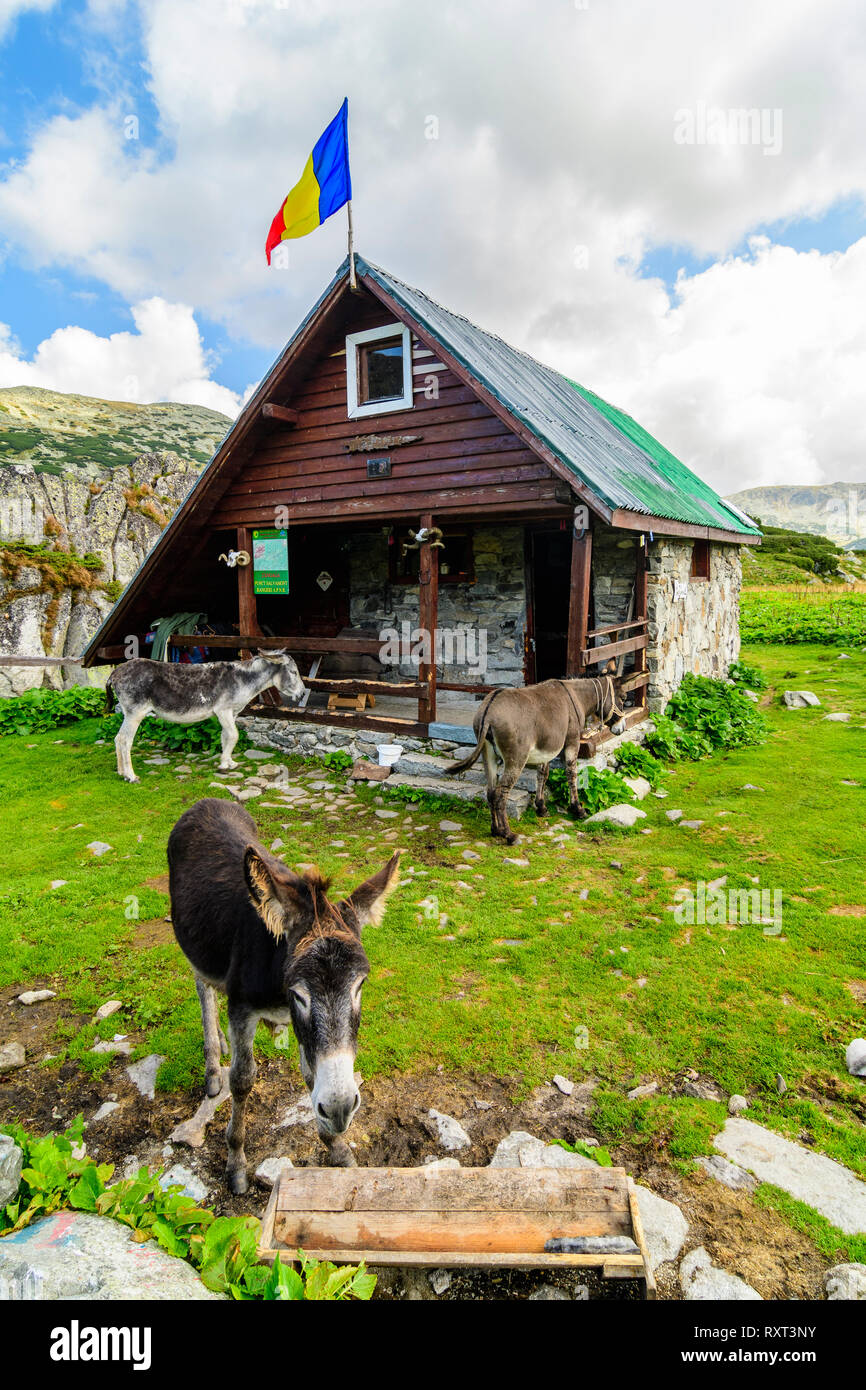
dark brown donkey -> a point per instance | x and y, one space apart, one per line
271 941
530 727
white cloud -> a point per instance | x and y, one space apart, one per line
11 9
163 360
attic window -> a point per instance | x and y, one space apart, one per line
700 560
379 370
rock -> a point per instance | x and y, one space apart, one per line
269 1172
521 1150
640 1091
440 1280
452 1135
73 1255
800 699
449 825
845 1282
781 1084
664 1226
386 815
246 793
639 785
482 1104
58 882
368 772
277 844
549 1293
728 1173
563 1085
11 1056
184 1177
623 815
691 824
115 1047
438 1165
753 696
737 1104
157 761
700 1090
107 1108
143 1074
11 1163
810 1177
836 718
107 1009
301 1113
674 815
469 854
36 996
99 847
192 1131
701 1280
750 787
517 863
855 1057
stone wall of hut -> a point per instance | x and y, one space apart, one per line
694 624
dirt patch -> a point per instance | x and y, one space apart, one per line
847 910
159 885
858 989
158 931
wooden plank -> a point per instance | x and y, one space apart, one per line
623 520
437 434
340 468
44 660
310 1190
411 728
283 413
428 605
354 483
591 656
461 1259
615 627
479 1232
634 681
455 499
357 646
639 1238
590 745
578 604
406 690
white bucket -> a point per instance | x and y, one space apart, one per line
388 753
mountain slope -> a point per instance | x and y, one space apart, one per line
836 510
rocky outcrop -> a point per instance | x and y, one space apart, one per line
68 546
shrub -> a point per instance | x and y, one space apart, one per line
634 761
750 676
598 790
703 716
36 711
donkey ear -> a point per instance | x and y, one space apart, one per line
369 898
264 894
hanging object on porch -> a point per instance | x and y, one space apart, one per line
271 561
325 581
427 535
236 557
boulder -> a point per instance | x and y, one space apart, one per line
855 1057
800 699
521 1150
639 785
728 1173
845 1282
702 1281
270 1171
11 1163
11 1056
624 815
811 1177
36 996
664 1226
452 1135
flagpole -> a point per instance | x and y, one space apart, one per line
353 283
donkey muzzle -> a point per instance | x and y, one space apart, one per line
335 1096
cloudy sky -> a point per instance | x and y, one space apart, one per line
573 176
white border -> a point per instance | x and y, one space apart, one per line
371 335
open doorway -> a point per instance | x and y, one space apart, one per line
548 573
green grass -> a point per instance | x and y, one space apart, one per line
654 996
814 615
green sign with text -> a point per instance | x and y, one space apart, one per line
271 562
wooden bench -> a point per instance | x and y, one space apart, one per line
496 1218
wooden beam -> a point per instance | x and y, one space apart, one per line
591 656
283 413
623 520
633 682
428 608
615 627
247 616
640 608
592 742
357 646
578 604
404 690
411 728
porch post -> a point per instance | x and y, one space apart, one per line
640 611
428 607
578 605
247 618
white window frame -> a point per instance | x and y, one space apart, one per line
372 335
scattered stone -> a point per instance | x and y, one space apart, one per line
246 793
518 863
812 1178
143 1074
521 1150
639 1092
105 1010
701 1280
440 1280
674 815
781 1085
256 755
452 1135
691 824
836 718
731 1174
855 1057
36 996
549 1293
277 844
184 1177
192 1131
562 1084
750 787
615 864
800 699
369 772
58 883
99 847
639 785
115 1047
753 696
482 1104
700 1090
717 882
107 1108
449 825
845 1282
11 1163
737 1104
271 1170
469 854
74 1255
11 1056
301 1113
624 815
386 815
665 1228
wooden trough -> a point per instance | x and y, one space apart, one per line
493 1218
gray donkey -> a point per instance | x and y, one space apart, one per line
188 694
274 944
530 727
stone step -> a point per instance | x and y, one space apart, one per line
464 791
425 765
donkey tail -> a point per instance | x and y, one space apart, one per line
482 736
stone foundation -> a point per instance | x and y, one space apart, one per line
694 624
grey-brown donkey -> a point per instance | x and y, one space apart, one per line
528 728
275 945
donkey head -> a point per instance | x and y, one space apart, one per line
325 970
287 678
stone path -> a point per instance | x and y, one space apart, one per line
830 1189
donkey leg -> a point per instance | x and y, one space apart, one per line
229 738
242 1029
500 805
575 808
210 1026
123 744
541 789
491 772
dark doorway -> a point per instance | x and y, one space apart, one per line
549 587
317 604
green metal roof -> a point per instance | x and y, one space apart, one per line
610 453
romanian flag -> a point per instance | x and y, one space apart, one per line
323 188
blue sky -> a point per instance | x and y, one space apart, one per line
543 145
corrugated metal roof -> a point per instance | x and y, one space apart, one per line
608 451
